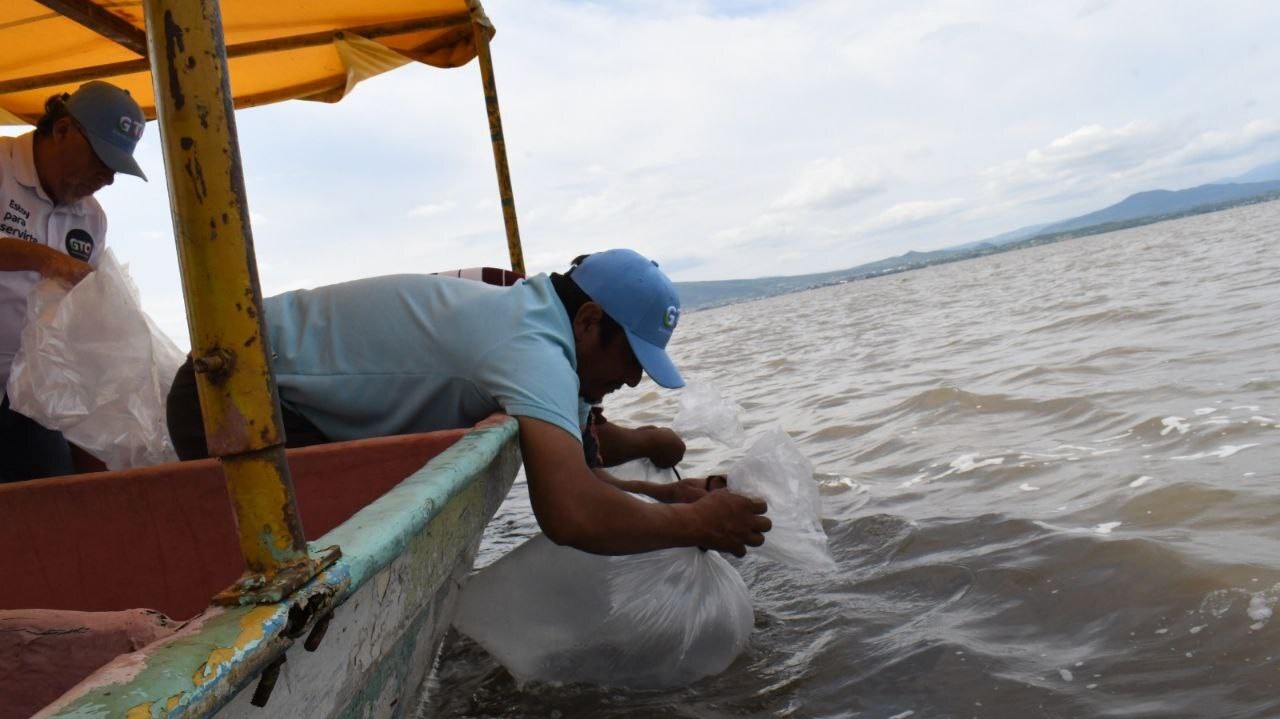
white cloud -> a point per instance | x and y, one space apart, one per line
829 183
913 214
1219 145
1088 155
1098 147
431 209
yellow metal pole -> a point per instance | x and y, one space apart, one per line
482 29
220 281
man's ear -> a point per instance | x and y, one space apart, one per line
62 127
587 317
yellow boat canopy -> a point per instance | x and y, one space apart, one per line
300 49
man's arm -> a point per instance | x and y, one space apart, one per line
622 444
689 489
17 255
576 508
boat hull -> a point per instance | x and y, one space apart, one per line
358 640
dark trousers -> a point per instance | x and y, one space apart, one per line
29 451
186 426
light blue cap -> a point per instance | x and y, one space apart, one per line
633 291
112 122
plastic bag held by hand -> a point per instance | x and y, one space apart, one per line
704 413
775 470
93 366
646 621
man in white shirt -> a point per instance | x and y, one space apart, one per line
52 227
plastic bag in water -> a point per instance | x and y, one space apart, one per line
93 366
775 471
644 621
704 413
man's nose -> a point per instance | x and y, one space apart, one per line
635 375
107 177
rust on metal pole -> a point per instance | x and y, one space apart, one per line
220 282
481 30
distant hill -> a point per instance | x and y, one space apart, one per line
714 293
1159 203
1257 185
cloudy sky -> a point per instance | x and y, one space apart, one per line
742 139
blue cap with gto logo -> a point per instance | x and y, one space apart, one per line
634 292
111 121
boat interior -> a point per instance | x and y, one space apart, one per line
164 537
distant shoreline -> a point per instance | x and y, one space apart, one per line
710 294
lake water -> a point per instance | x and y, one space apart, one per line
1050 477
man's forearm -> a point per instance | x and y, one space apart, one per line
20 256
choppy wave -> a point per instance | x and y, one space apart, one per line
1050 478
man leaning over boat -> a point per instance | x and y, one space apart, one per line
417 353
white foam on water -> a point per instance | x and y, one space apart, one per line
904 715
1105 527
1197 630
846 482
1027 487
1223 452
1174 423
1091 686
1247 408
1259 608
1122 435
1264 420
1139 481
965 463
1066 675
1162 630
913 481
1205 410
1216 421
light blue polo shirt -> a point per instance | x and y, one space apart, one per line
415 353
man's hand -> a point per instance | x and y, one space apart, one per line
622 444
732 522
692 489
663 447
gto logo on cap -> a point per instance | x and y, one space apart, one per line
671 317
130 127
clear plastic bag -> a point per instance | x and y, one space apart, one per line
644 621
93 366
704 413
774 470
